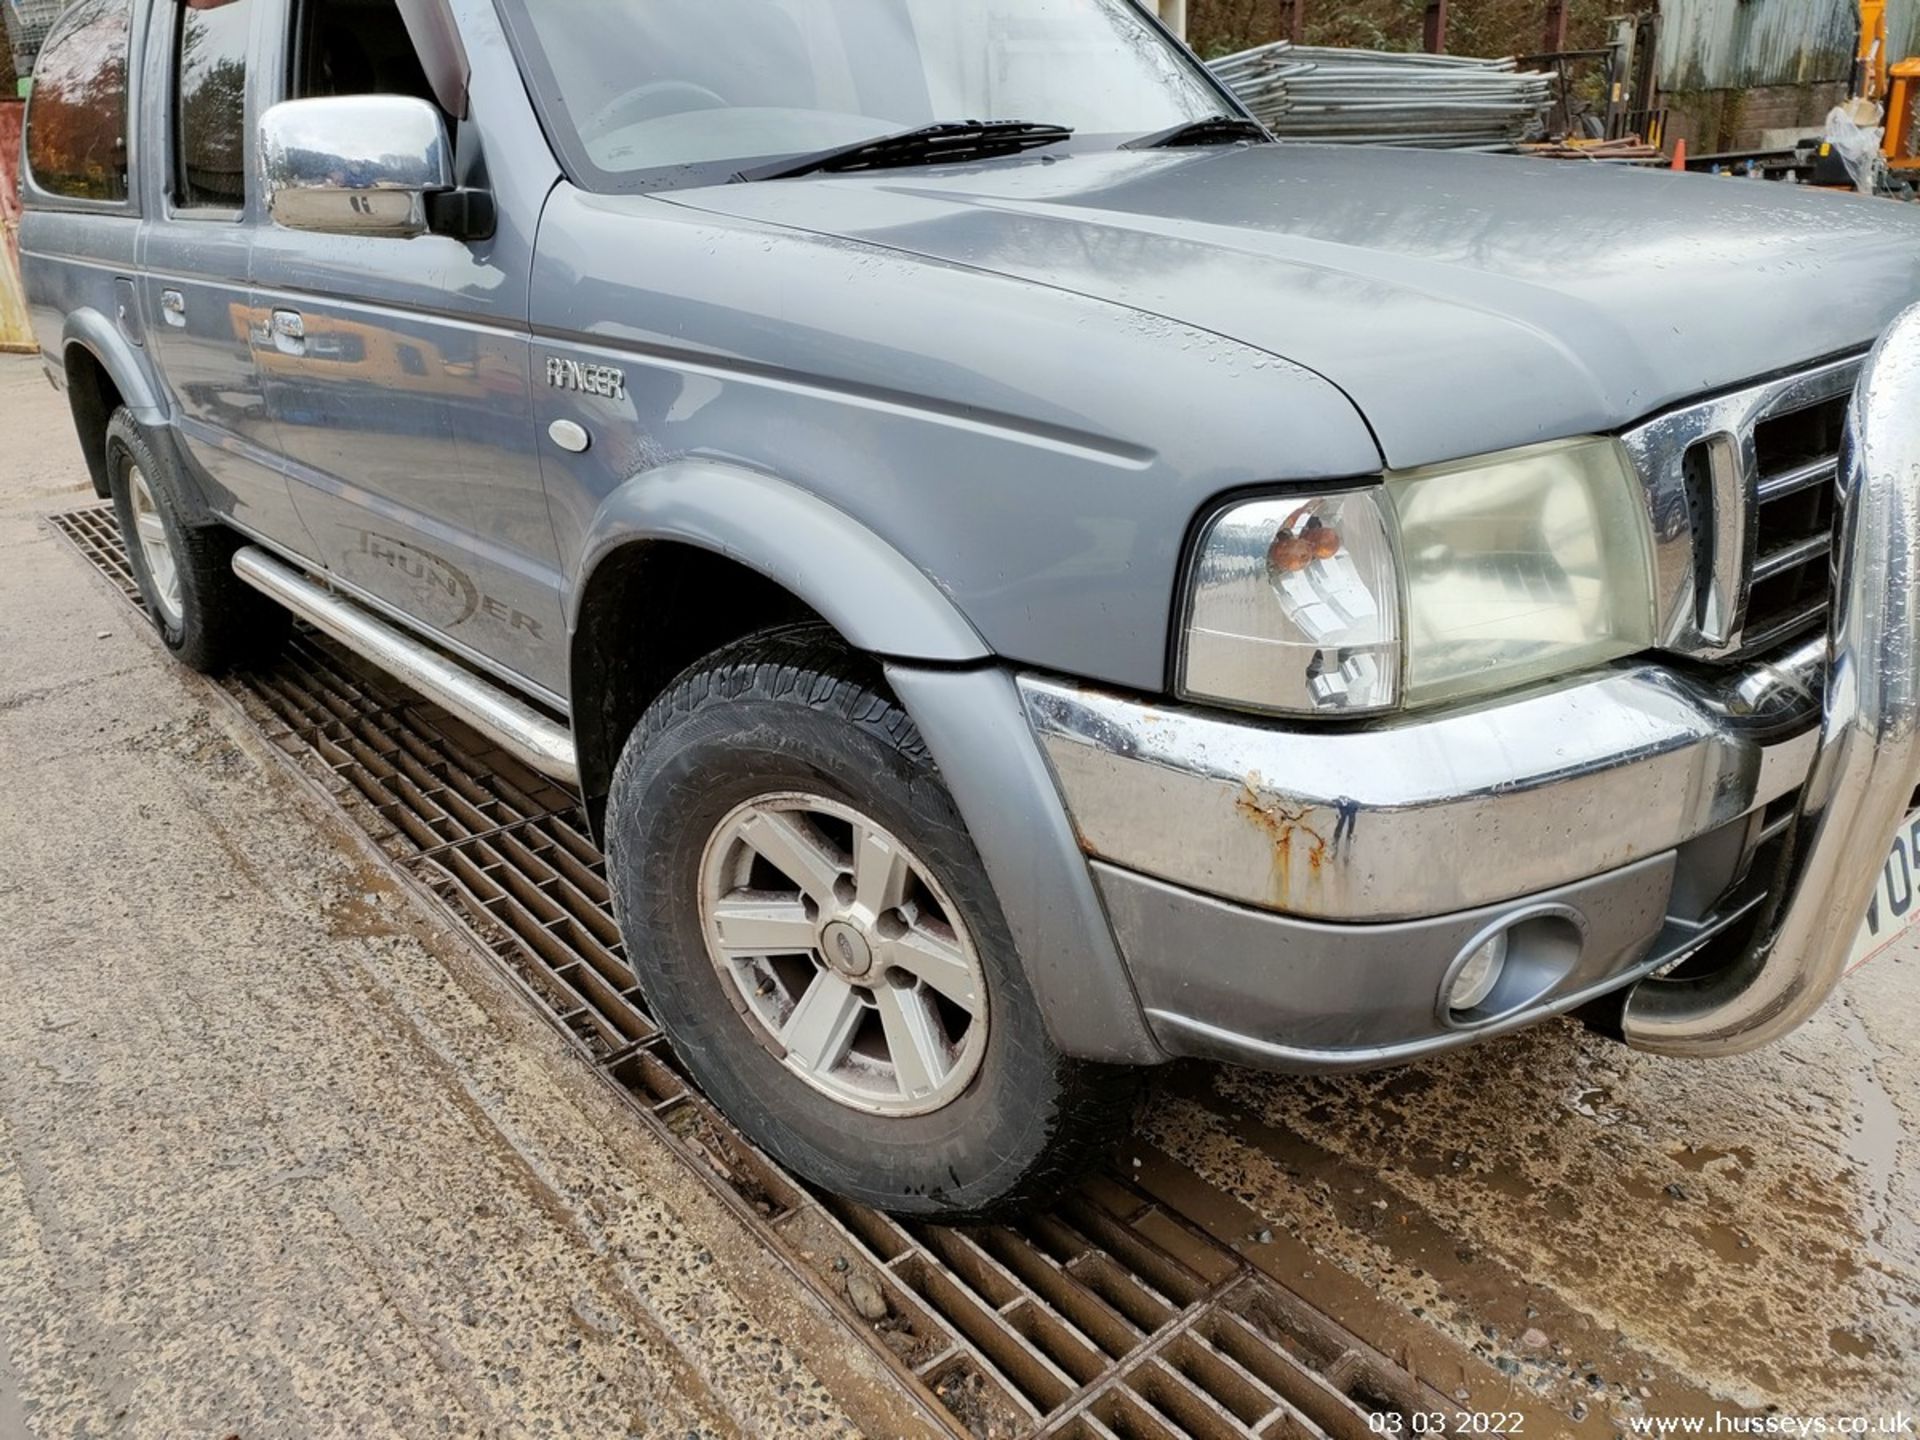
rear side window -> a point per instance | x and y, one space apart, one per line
210 119
77 117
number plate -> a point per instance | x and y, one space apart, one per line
1895 907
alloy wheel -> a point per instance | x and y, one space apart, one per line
839 947
150 530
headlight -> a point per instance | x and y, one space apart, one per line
1533 563
1296 608
1445 582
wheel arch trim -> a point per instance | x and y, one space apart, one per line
88 335
100 338
977 731
860 584
945 675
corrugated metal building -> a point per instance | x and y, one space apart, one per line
1743 44
1903 28
1737 74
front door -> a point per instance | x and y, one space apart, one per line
397 375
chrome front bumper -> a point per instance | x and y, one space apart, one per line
1427 817
1472 809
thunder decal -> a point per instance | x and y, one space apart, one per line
443 594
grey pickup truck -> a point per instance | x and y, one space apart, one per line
1030 577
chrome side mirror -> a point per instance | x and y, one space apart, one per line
354 164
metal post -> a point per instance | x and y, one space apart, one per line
1436 37
1556 33
1626 31
1293 20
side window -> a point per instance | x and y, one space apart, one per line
77 116
210 126
355 47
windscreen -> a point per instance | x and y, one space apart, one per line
645 86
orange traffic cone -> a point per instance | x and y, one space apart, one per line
1680 153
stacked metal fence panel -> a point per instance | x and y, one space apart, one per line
1372 97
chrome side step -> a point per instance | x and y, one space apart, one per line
516 727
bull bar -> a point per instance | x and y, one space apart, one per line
1863 773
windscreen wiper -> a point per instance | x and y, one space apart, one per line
927 145
1214 130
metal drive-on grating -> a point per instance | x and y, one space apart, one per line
1112 1316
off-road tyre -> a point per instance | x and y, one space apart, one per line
795 709
217 622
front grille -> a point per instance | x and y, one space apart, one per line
1796 504
1743 492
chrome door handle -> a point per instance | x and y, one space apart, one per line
289 332
173 308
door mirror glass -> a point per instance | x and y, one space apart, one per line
355 164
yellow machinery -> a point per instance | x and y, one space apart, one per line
1903 116
1894 86
1870 70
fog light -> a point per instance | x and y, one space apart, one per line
1477 978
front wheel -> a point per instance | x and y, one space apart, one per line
808 917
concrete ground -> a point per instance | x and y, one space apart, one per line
276 1160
